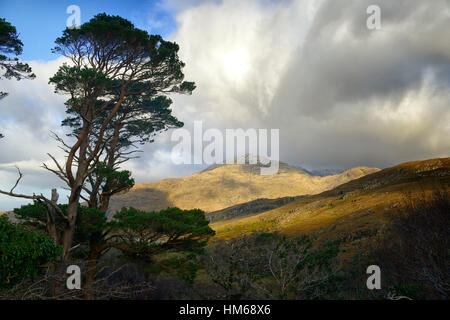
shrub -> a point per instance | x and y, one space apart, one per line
416 251
269 265
22 252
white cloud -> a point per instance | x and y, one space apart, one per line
340 94
237 51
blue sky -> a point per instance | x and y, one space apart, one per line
39 23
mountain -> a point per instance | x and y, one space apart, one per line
321 172
222 186
251 207
352 213
10 214
326 172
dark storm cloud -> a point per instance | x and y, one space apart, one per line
342 95
343 62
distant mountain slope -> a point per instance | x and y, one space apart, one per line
222 186
255 206
404 172
352 213
10 215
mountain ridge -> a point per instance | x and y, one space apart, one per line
222 186
354 213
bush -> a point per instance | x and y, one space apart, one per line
415 253
22 252
144 234
272 266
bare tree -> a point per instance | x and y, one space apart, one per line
415 249
51 285
51 204
271 266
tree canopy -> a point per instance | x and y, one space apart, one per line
10 48
117 80
135 232
147 233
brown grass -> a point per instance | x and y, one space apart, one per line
353 213
228 185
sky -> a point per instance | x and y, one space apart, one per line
341 95
39 23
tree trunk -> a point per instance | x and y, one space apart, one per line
51 222
69 229
94 256
95 252
104 203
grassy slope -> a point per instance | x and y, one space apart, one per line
228 185
353 212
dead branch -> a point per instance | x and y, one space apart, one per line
40 197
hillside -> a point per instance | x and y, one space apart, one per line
353 212
251 207
223 186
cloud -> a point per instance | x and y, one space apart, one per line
342 95
27 115
236 51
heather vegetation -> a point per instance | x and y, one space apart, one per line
171 255
416 251
314 242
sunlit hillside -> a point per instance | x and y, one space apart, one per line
228 185
354 212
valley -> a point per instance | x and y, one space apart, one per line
227 185
353 213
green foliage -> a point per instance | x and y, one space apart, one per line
75 79
117 81
34 215
272 266
11 46
114 42
22 252
105 29
139 118
89 220
186 269
137 233
115 180
181 266
9 39
147 233
327 251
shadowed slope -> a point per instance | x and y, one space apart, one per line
352 213
223 186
